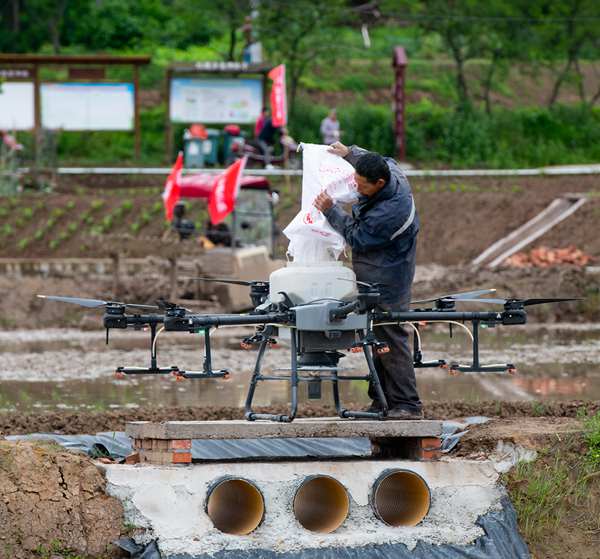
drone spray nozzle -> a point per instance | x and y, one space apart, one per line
321 504
400 498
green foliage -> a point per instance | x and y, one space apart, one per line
468 138
592 438
301 35
369 126
97 204
127 206
27 213
7 230
540 495
23 243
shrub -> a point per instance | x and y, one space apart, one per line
592 437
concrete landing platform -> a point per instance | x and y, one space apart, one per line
308 427
170 442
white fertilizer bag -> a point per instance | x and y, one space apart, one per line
311 237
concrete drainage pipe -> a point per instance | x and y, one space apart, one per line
400 498
235 506
321 504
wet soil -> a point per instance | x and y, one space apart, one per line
53 502
77 422
533 433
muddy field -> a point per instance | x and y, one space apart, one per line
56 373
460 217
71 423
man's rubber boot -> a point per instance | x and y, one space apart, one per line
403 413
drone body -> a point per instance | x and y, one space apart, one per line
328 313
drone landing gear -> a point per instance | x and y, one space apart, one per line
179 374
475 366
206 371
312 371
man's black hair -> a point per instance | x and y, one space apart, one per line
373 167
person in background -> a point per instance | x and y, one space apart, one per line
330 128
260 121
266 140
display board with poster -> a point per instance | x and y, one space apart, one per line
88 106
218 101
16 106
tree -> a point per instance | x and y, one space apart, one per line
300 33
565 31
462 33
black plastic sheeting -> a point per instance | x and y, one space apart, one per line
139 551
501 541
118 445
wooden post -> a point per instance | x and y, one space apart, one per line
168 127
116 259
399 63
136 112
37 115
173 278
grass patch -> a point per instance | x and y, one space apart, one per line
557 497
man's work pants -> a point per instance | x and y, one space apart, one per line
395 368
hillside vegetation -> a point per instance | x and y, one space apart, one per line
489 84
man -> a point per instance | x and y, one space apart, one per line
266 140
260 121
330 128
382 232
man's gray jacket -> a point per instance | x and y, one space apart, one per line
382 233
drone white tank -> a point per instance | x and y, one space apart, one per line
307 282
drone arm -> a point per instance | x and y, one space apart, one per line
195 322
505 317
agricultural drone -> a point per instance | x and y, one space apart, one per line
320 331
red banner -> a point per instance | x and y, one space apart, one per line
278 96
172 187
225 191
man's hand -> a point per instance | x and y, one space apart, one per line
338 149
323 202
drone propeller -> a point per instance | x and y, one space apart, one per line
94 303
520 302
464 296
232 281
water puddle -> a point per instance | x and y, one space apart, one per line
54 369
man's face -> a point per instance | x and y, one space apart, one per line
366 188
